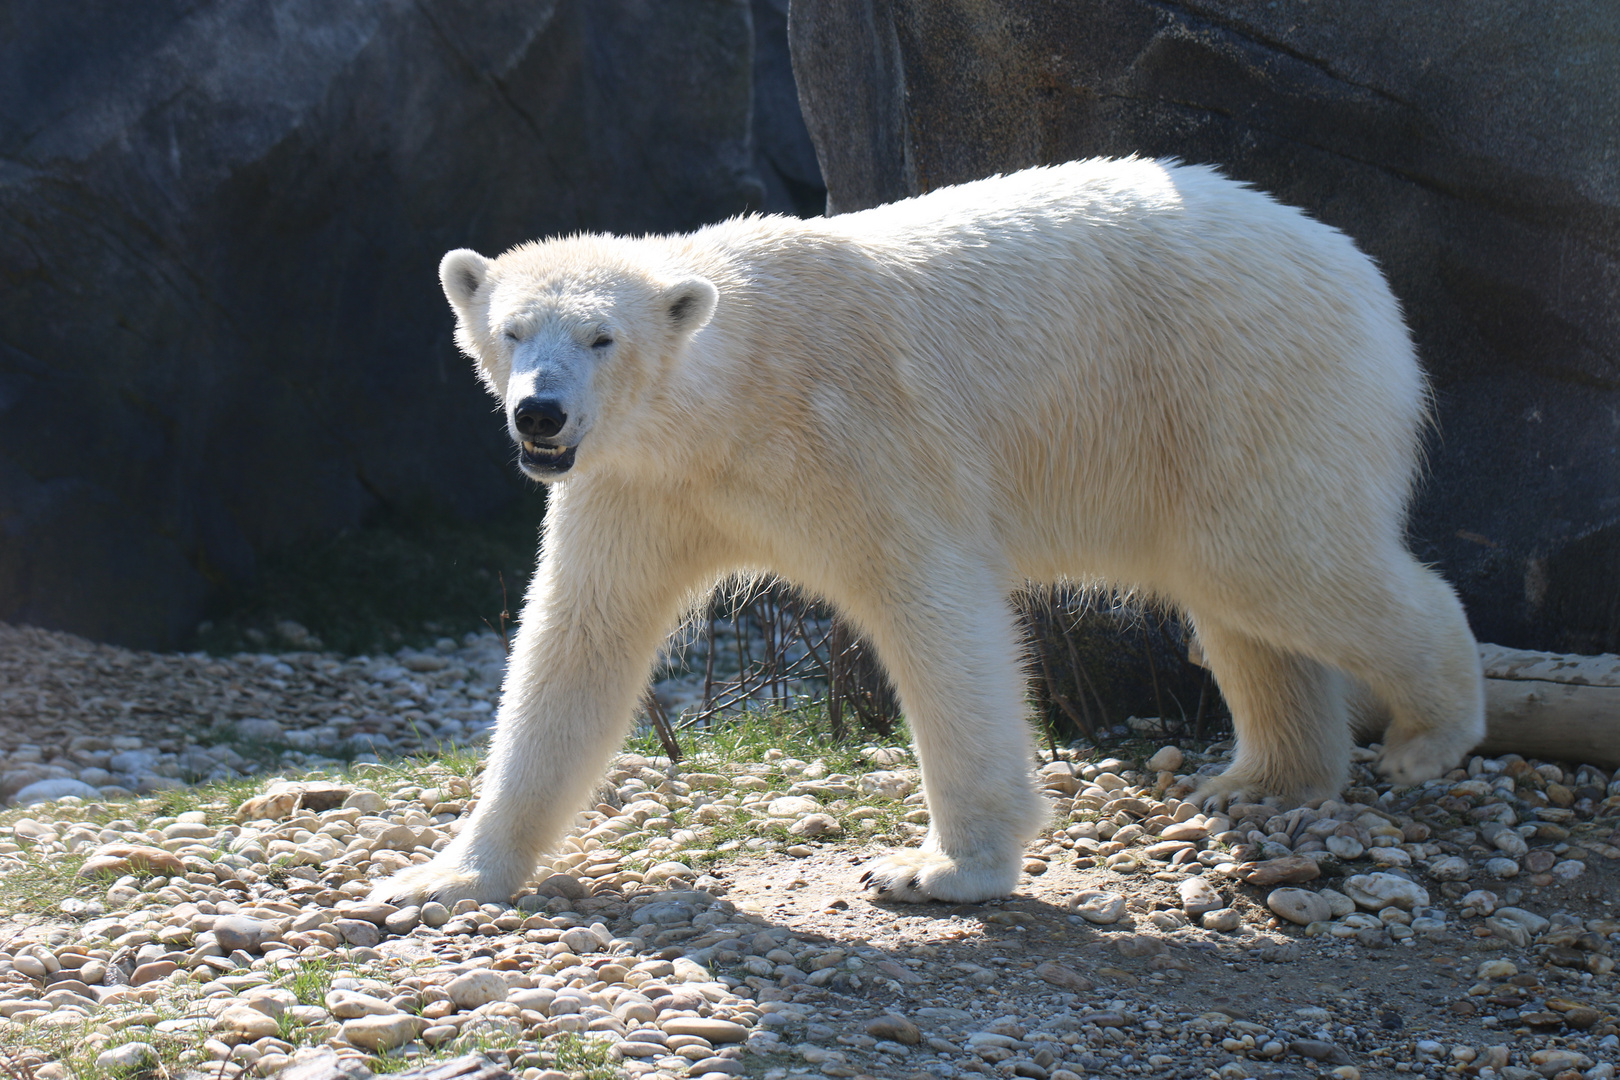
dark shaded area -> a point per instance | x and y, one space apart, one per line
221 333
783 153
1108 670
1470 152
412 575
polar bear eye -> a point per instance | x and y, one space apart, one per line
602 341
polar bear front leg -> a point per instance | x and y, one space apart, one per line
561 718
954 659
596 612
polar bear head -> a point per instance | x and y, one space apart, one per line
570 335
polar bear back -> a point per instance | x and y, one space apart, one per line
1112 358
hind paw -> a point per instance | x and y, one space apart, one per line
1232 786
1409 762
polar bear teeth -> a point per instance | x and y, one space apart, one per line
545 451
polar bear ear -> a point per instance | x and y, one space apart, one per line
462 273
689 304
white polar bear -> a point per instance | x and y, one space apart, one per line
1128 372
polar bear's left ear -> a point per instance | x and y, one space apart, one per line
689 304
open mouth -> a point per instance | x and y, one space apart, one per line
546 460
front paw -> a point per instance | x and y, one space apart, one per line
1216 793
916 877
440 880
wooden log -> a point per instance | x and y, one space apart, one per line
1555 706
329 1066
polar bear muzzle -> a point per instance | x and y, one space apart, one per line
538 419
545 462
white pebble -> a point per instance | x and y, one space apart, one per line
476 988
1166 759
1375 892
1098 906
1198 897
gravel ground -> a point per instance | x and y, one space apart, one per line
705 919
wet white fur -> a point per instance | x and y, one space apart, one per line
1126 372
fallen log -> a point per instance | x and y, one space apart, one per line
1555 706
327 1065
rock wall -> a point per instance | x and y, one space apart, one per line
1471 151
220 325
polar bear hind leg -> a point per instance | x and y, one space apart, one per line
1397 631
1428 674
1293 737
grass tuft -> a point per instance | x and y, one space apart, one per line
580 1056
32 884
748 736
311 980
218 800
773 747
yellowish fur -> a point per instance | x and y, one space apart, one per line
1131 372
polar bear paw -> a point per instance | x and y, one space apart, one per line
1233 786
445 883
1408 762
1219 792
918 877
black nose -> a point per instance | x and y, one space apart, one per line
539 418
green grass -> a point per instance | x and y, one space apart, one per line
746 737
405 578
577 1054
33 884
217 800
311 981
454 766
384 1065
78 1047
767 737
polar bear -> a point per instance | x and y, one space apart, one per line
1126 372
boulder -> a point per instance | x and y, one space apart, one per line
1469 156
784 156
220 224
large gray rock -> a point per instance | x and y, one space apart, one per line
1473 155
784 155
219 228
